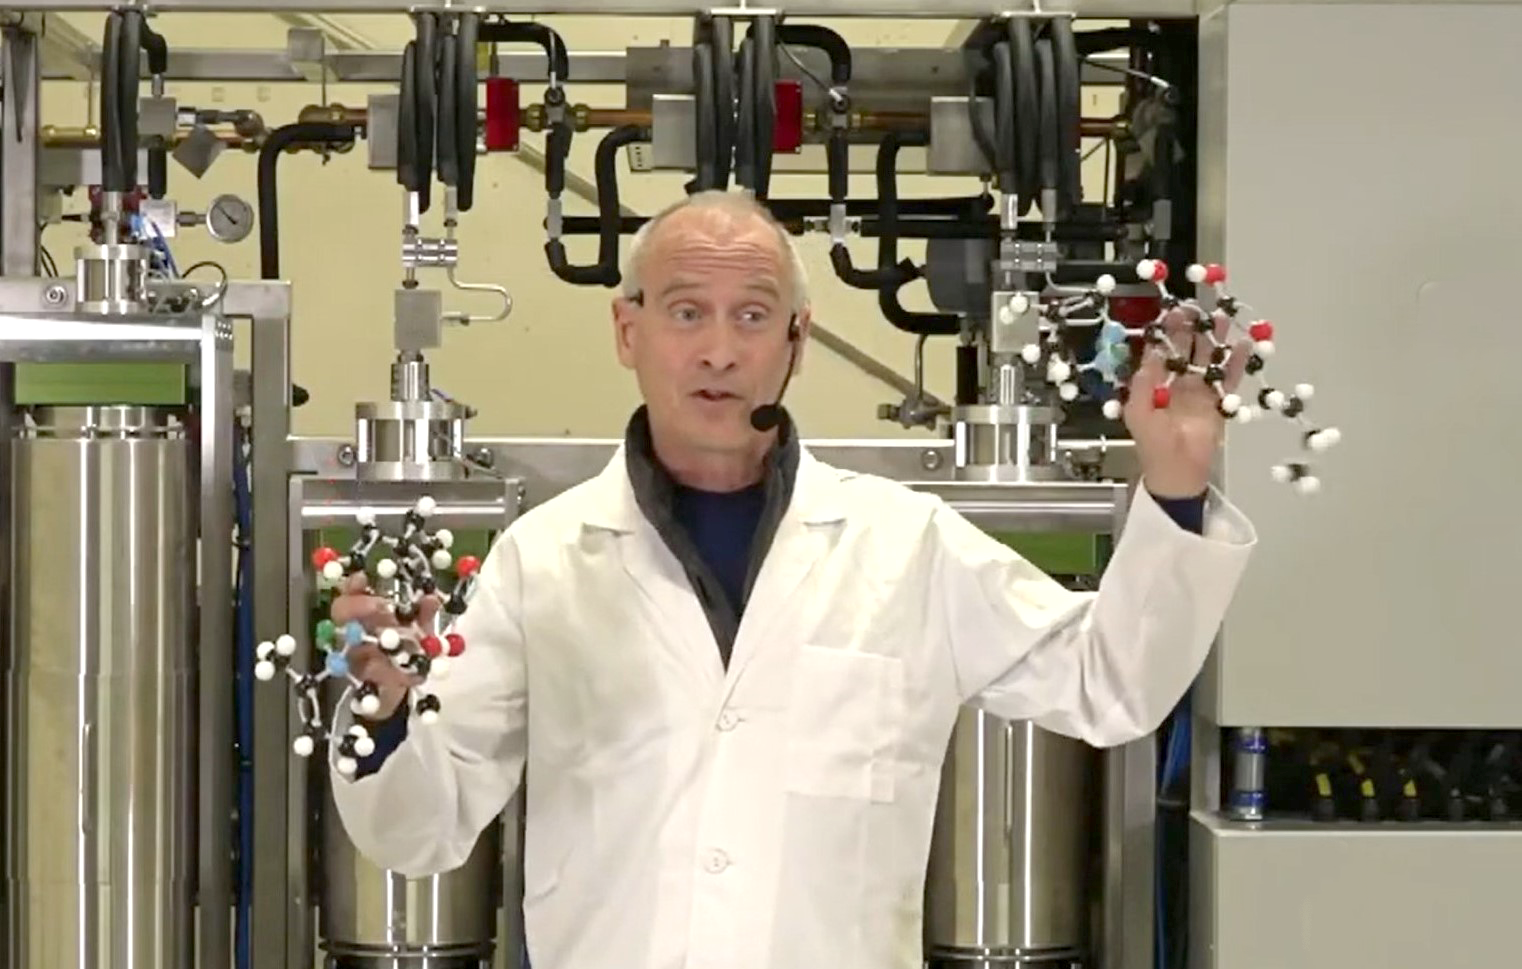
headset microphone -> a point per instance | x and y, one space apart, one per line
768 417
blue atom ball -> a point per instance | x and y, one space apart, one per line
338 664
354 633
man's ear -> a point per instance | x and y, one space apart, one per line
805 320
624 313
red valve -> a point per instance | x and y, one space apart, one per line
432 646
323 556
502 122
787 131
456 644
1161 396
467 566
1261 330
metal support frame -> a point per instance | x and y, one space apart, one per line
896 9
20 82
280 907
40 326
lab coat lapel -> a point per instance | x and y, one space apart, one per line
673 615
809 529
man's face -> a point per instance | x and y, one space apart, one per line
708 342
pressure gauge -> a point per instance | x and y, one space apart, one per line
230 219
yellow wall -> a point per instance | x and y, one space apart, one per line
549 368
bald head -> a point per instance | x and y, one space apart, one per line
729 221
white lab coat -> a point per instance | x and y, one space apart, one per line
776 815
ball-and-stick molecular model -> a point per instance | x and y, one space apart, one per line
408 566
1177 317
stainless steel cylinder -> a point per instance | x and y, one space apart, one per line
112 278
100 717
1010 877
419 440
1005 443
379 919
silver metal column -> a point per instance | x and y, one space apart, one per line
98 691
21 77
215 414
281 906
1011 877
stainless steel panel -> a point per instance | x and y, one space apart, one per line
1330 897
21 80
673 132
954 148
1404 562
1011 858
99 693
368 911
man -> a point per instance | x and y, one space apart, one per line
732 671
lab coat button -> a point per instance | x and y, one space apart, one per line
715 861
728 720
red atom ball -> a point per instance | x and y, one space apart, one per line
432 646
1161 396
1159 271
1262 330
467 566
323 556
456 644
1215 273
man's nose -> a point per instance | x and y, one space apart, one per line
721 348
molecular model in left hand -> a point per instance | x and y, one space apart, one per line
403 571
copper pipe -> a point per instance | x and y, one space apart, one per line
333 114
57 136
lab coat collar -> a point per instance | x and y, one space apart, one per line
815 499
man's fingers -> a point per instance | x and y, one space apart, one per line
1236 366
427 609
364 609
353 584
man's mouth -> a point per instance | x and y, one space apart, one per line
715 395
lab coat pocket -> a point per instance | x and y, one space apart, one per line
843 720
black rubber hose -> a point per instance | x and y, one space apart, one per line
824 39
765 28
129 69
158 153
605 271
705 120
722 45
503 32
557 149
838 155
1004 162
111 174
425 97
467 35
928 324
406 122
967 375
1069 115
1027 111
745 130
446 134
1046 73
1113 38
955 213
268 193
